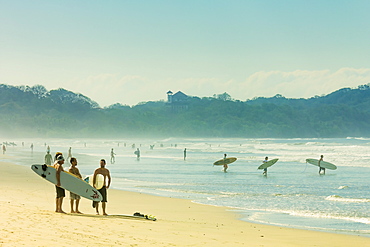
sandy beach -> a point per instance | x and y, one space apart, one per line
27 218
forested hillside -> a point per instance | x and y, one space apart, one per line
34 111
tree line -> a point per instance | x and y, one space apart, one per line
36 112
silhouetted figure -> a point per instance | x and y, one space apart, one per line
321 168
112 158
69 153
137 152
225 165
265 170
48 158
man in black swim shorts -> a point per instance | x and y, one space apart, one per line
103 191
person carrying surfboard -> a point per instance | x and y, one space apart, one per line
225 165
58 165
103 191
265 170
74 197
321 168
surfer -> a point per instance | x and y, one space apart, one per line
321 168
48 158
103 191
74 197
112 158
185 154
265 170
58 165
225 165
4 149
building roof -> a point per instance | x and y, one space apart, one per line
180 95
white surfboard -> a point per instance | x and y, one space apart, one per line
268 164
323 164
99 183
68 181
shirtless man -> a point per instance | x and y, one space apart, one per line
103 191
58 165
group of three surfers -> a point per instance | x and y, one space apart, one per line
75 199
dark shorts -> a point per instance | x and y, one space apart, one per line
60 192
74 196
103 192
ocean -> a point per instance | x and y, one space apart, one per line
293 194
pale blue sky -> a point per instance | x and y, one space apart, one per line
133 51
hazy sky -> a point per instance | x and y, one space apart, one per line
134 51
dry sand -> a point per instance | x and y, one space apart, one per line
27 218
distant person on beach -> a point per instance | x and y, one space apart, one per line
74 197
265 170
4 148
103 191
137 152
48 158
185 154
225 165
70 152
48 149
321 168
112 158
58 165
31 147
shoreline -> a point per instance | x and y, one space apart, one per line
28 218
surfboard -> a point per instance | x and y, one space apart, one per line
68 181
135 216
268 164
99 183
323 164
226 161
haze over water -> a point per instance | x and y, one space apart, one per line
293 194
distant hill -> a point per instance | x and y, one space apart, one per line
358 97
35 112
39 94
